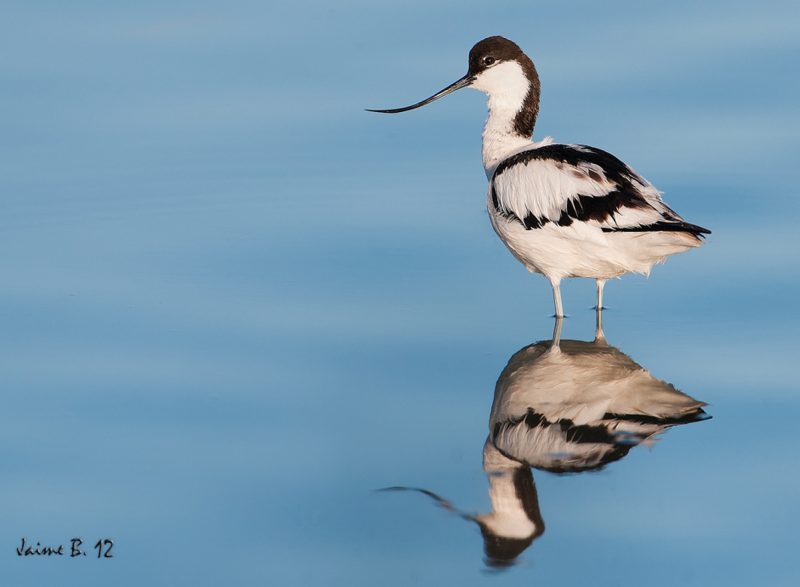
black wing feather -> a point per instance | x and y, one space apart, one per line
582 207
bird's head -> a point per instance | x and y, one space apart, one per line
497 67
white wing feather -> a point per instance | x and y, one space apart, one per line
545 188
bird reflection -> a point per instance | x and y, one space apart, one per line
563 406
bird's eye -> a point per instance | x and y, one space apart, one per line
488 60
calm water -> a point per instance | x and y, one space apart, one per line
234 305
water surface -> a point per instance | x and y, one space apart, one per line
235 305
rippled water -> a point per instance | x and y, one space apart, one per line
235 306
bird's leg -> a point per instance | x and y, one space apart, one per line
601 283
555 345
599 336
556 283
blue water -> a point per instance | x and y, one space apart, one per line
234 304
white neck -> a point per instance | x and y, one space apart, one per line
499 140
507 88
508 517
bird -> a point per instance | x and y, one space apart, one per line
563 210
564 407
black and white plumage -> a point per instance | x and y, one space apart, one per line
562 210
572 406
566 406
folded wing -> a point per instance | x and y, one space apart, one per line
562 184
